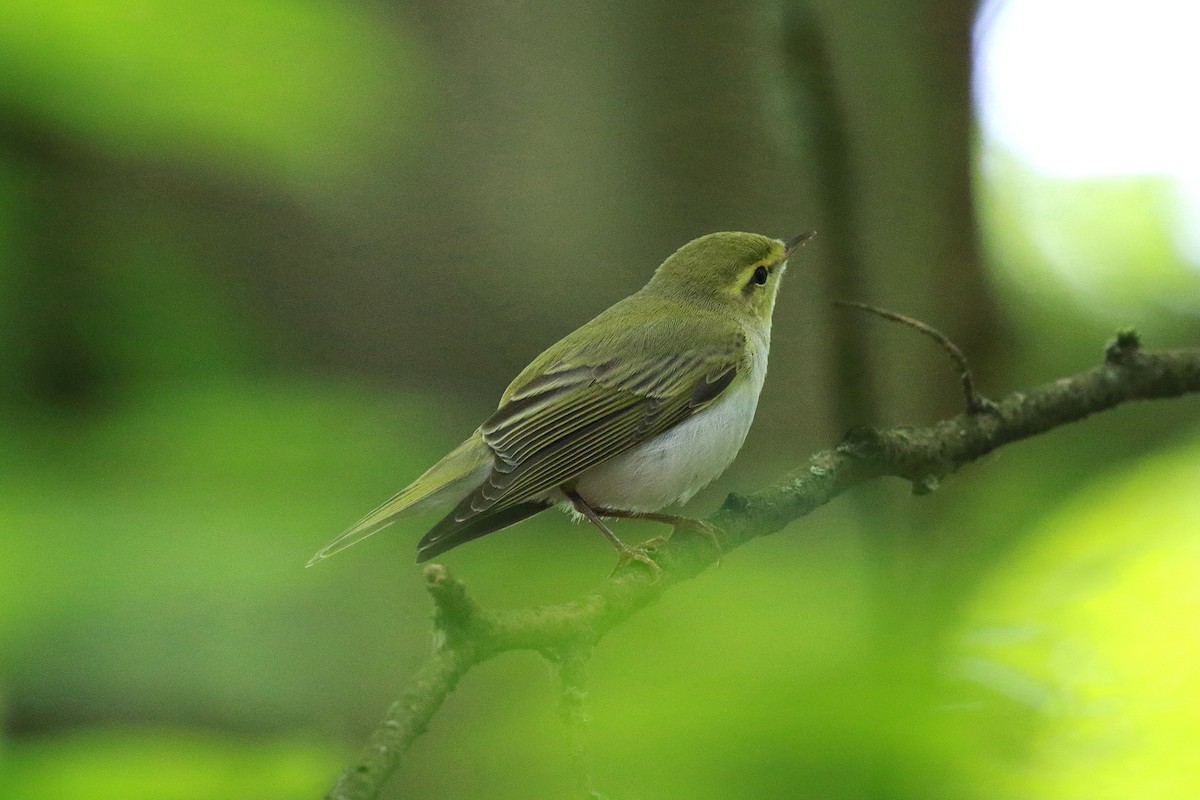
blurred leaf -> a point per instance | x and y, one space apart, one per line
303 90
166 764
153 559
1102 245
1084 646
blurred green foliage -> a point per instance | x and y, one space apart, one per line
299 91
206 378
1084 641
163 764
1101 248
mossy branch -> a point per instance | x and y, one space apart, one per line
468 634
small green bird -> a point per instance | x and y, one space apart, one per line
635 411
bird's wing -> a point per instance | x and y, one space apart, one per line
576 411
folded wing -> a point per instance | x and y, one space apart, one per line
576 413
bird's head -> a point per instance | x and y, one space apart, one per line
740 271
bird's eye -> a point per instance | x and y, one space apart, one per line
760 275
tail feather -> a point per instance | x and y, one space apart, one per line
451 532
355 534
444 484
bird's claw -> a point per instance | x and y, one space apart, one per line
705 529
639 554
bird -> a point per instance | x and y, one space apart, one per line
633 412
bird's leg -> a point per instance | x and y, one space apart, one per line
699 526
626 552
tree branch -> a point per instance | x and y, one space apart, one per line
564 633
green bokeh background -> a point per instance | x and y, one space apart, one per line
262 262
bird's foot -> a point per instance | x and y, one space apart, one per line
711 533
626 553
639 553
701 528
697 526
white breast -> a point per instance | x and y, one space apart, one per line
673 466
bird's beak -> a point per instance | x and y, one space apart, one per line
793 244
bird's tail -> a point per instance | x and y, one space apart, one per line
442 485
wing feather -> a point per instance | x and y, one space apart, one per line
514 444
568 457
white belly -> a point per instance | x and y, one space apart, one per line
673 466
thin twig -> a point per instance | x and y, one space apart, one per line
976 403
